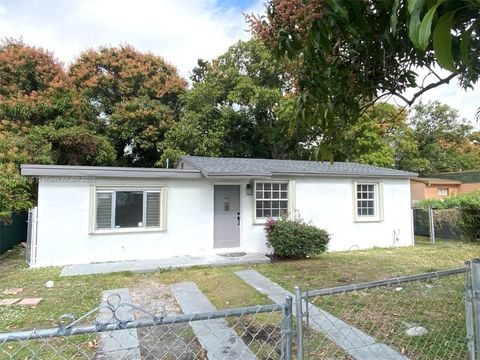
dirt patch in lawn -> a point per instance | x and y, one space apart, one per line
175 341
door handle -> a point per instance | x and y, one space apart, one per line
238 218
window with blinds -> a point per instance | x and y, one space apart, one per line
153 209
127 209
104 210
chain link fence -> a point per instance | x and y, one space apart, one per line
437 223
414 317
427 316
258 332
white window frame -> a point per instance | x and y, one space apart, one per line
290 199
378 201
446 191
112 189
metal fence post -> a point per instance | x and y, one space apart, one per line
299 315
287 329
431 224
469 320
476 301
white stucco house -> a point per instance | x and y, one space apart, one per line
210 205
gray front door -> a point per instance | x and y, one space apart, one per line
226 216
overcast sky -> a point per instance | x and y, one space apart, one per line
181 31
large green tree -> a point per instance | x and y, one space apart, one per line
134 94
371 140
42 120
430 138
35 89
240 104
353 53
438 140
28 70
37 102
451 28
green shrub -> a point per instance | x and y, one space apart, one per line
295 239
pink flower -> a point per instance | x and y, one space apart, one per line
269 224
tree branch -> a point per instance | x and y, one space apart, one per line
409 102
371 103
423 90
434 73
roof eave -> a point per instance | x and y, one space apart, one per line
429 181
108 172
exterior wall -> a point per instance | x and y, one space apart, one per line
64 211
431 192
63 224
465 188
421 191
418 190
328 203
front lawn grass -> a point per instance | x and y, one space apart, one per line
77 295
347 267
386 313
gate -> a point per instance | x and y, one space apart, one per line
437 223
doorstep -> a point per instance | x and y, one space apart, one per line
170 263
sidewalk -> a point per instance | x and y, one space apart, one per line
170 263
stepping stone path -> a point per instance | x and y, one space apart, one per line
13 291
212 339
176 340
22 302
30 302
352 340
216 336
119 344
8 302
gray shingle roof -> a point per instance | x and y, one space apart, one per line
213 166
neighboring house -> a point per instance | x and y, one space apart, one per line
212 205
429 188
443 185
470 180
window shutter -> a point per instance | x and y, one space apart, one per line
104 210
153 209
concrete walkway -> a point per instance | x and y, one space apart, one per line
119 344
171 263
217 338
352 340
